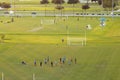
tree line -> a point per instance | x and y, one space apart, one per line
104 3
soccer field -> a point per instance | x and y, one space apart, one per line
26 39
93 63
25 29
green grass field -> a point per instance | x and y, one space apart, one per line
26 39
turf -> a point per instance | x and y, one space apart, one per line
98 60
93 63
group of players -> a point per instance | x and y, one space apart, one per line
47 61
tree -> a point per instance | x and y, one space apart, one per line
44 2
59 7
94 0
100 2
117 2
73 2
108 3
5 5
59 4
0 4
85 6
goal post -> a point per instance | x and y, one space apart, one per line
47 21
34 76
76 38
76 41
2 76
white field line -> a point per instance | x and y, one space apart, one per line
35 29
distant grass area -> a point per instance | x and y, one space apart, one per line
51 7
27 27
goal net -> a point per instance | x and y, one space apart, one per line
76 41
47 21
76 36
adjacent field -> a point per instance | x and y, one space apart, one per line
29 28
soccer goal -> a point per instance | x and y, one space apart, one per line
47 21
76 41
76 37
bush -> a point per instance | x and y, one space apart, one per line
58 1
33 13
44 2
86 6
5 5
59 7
